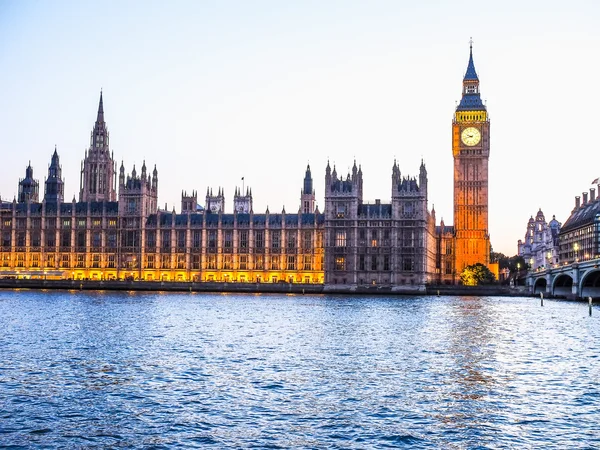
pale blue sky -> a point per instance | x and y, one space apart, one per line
213 91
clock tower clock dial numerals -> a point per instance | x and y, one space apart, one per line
470 136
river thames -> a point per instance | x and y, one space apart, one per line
101 369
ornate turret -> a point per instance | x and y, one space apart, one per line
55 185
471 99
98 172
215 203
28 187
307 195
242 203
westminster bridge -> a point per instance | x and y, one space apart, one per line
580 279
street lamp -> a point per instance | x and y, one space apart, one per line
575 250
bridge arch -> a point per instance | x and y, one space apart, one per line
563 285
590 284
540 286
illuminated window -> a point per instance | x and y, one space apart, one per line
340 238
340 263
291 262
243 262
259 262
227 262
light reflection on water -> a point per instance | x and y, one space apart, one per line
122 369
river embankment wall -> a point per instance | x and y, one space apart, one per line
280 288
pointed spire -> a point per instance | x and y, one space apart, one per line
100 109
471 74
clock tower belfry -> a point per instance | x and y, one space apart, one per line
471 151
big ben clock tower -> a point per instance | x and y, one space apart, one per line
471 151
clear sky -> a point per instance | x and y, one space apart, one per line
213 91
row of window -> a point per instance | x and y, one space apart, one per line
374 262
290 262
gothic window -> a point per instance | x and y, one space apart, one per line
228 241
373 262
408 264
340 238
227 262
276 239
291 262
66 223
64 261
65 239
150 239
181 261
165 261
111 239
212 239
374 242
81 239
386 262
291 240
244 262
196 262
243 239
340 263
307 240
361 262
259 239
307 262
275 263
197 239
259 262
50 240
181 239
212 262
111 262
165 239
35 239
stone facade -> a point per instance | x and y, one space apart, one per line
383 244
539 248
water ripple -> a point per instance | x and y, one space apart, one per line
243 371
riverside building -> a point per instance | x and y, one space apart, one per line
115 230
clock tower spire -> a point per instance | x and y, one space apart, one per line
471 150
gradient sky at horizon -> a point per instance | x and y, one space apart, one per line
213 91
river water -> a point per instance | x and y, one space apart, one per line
105 370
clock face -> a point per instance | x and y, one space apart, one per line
470 136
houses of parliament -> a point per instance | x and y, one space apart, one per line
115 230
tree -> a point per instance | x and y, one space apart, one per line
477 274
